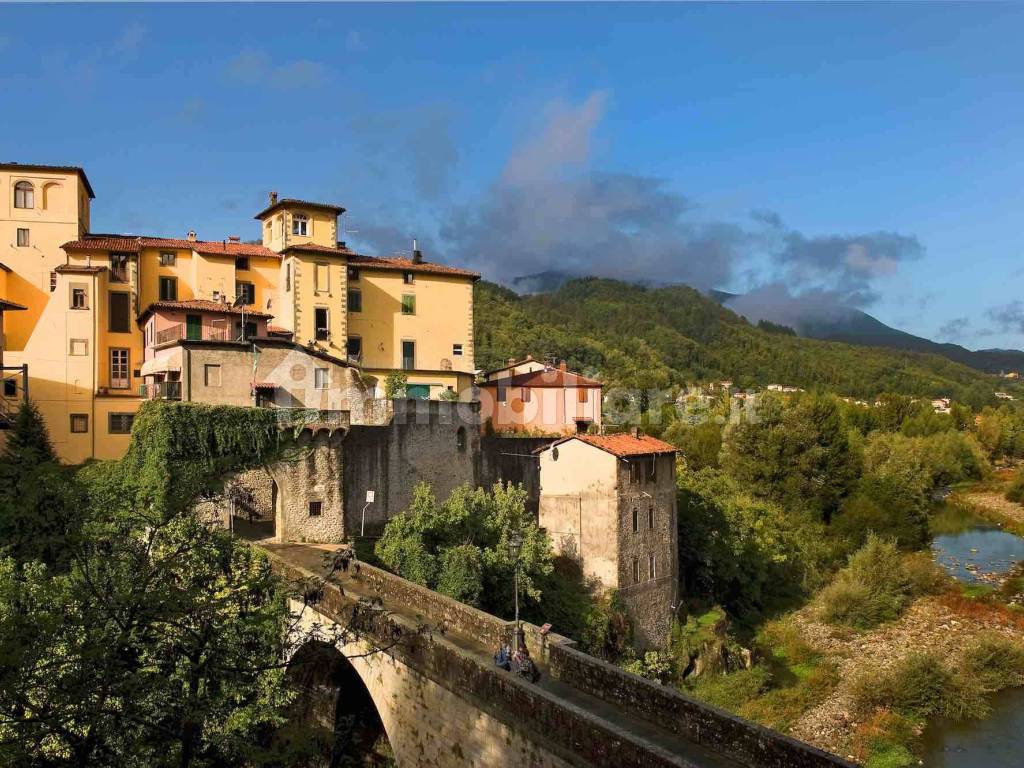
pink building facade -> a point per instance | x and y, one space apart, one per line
540 400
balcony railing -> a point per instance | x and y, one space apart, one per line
408 363
178 332
161 390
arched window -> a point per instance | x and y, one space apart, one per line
299 224
460 439
24 195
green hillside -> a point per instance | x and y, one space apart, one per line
634 336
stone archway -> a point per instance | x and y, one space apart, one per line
334 711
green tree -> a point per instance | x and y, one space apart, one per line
700 444
460 547
39 508
395 384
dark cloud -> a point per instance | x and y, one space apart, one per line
955 329
1009 318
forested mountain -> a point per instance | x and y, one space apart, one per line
653 337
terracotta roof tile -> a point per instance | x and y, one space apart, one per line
550 377
277 329
622 445
78 269
134 244
408 265
291 201
203 305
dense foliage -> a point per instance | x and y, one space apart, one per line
640 337
158 640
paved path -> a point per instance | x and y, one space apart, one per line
685 752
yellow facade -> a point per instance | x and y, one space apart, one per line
84 360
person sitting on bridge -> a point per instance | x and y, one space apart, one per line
501 658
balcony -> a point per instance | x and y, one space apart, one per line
161 390
179 331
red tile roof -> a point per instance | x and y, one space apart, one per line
291 201
279 330
408 265
134 244
550 377
622 445
202 305
264 385
324 249
30 167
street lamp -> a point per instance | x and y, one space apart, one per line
515 546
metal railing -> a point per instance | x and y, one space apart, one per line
161 390
178 332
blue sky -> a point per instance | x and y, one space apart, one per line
866 154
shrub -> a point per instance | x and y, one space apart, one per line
917 686
993 662
1015 492
876 585
732 691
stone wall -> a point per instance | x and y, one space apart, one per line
428 441
511 460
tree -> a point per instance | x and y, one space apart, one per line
797 455
38 505
700 444
460 547
395 384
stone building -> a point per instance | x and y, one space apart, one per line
610 502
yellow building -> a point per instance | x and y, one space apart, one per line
83 294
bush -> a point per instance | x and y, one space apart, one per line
917 686
876 585
734 690
1015 492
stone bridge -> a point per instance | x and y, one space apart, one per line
440 701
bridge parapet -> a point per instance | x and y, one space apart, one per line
571 716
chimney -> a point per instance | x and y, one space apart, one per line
273 198
191 236
511 361
417 254
234 238
634 431
529 357
561 366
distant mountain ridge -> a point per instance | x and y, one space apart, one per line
845 324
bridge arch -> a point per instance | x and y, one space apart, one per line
336 705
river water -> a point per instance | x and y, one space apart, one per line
976 552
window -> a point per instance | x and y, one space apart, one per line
316 508
287 277
355 300
242 263
119 369
79 423
353 274
120 423
119 268
650 518
636 571
354 348
78 347
651 569
53 282
456 350
211 375
79 297
168 259
527 394
10 388
408 304
23 240
247 332
321 322
246 291
321 378
502 394
120 312
581 395
300 224
24 195
634 472
460 439
636 520
408 355
322 276
408 278
168 289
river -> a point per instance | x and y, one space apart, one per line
976 552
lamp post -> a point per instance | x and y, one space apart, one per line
515 545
